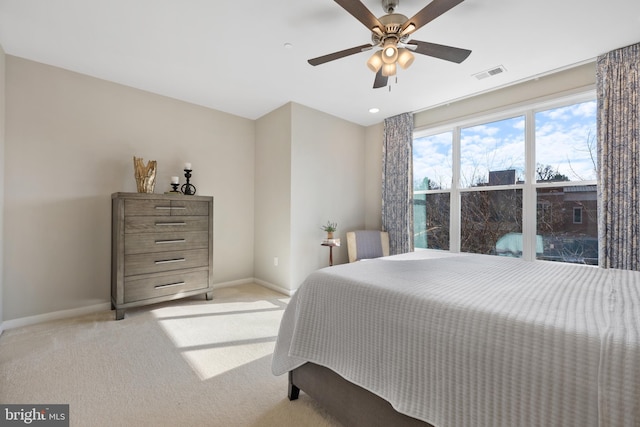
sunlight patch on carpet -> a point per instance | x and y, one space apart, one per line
217 337
208 363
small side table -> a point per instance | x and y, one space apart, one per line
331 243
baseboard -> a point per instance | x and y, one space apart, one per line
63 314
276 288
280 289
56 315
233 283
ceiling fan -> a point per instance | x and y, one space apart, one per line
391 32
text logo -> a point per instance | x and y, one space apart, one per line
34 415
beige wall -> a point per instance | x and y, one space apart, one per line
2 145
273 198
70 140
328 184
309 169
373 177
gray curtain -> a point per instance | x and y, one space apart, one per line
397 183
618 85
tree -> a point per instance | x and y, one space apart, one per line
425 184
547 173
488 215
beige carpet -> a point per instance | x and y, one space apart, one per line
190 362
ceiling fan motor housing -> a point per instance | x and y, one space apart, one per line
392 22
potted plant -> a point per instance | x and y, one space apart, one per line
330 227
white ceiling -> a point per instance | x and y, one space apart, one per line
231 55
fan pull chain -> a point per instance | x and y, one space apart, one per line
390 83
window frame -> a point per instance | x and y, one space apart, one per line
577 209
529 187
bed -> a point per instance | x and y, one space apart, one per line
452 340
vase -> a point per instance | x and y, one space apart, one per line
329 234
145 175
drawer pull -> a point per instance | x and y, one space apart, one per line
168 261
165 208
160 242
160 224
168 285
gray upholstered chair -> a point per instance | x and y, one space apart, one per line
366 244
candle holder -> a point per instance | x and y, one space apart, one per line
188 189
175 187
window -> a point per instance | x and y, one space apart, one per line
577 215
492 153
431 218
432 173
491 222
432 162
486 186
565 147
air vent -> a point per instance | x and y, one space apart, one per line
492 72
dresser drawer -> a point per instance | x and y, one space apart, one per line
164 261
163 285
189 207
153 224
164 242
165 208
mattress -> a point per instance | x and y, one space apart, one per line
475 340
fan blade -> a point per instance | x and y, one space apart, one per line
380 81
337 55
361 13
440 51
428 14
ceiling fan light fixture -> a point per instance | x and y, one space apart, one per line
375 62
405 58
389 51
389 69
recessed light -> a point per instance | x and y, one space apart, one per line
288 45
374 110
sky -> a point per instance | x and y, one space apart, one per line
565 140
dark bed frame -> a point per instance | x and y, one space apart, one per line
348 403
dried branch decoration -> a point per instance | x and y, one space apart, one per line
145 175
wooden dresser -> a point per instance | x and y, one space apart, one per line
161 248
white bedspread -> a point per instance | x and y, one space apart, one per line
475 340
